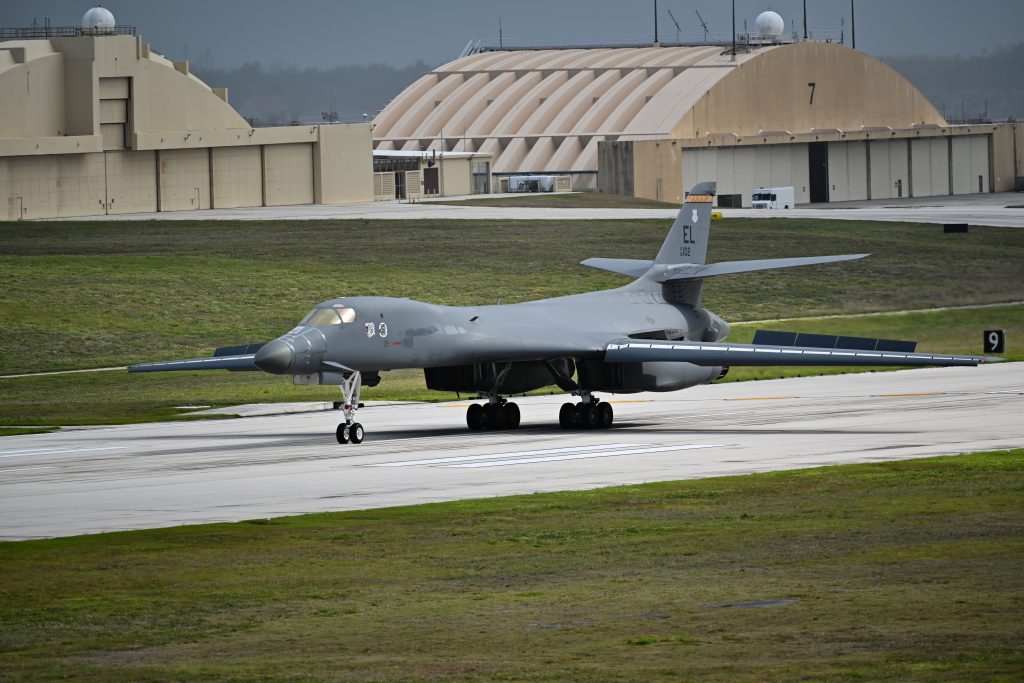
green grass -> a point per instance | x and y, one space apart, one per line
83 294
116 397
574 200
22 431
95 294
903 571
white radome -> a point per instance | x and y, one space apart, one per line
98 20
769 24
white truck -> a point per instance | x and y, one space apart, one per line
773 198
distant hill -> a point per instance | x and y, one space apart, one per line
292 94
996 78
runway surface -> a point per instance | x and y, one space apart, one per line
156 475
984 209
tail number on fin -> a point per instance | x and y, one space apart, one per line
684 250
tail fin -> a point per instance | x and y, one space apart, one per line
687 241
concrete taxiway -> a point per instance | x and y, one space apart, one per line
983 209
156 475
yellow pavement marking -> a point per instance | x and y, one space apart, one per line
923 393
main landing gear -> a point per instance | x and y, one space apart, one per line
350 431
589 413
497 413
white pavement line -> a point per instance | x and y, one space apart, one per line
56 451
24 469
583 456
493 456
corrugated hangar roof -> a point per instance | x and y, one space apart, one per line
543 111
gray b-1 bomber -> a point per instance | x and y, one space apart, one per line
652 334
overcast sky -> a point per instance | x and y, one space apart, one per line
227 33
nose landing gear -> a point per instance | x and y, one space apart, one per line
589 413
350 431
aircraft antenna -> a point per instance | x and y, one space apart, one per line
704 24
673 18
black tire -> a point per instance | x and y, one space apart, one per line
475 417
512 415
495 416
355 433
606 415
592 415
566 415
342 436
583 411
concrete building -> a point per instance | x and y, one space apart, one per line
833 122
93 122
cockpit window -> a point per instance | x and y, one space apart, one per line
334 315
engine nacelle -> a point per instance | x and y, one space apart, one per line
716 329
520 377
595 375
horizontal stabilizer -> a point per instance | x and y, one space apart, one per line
690 271
721 353
623 266
237 362
827 341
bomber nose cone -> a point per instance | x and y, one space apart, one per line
275 357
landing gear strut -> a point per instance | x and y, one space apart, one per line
589 413
350 431
497 413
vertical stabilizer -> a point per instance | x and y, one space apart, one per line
687 241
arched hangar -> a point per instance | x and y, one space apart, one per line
94 122
592 112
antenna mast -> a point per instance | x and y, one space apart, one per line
704 24
853 25
673 18
655 22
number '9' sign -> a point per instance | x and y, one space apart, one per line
994 341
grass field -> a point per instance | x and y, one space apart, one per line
83 294
905 571
93 294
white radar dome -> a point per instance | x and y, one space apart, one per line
98 20
769 24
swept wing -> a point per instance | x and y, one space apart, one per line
721 353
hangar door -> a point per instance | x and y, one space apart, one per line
237 177
131 181
184 179
817 171
288 173
969 164
929 163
